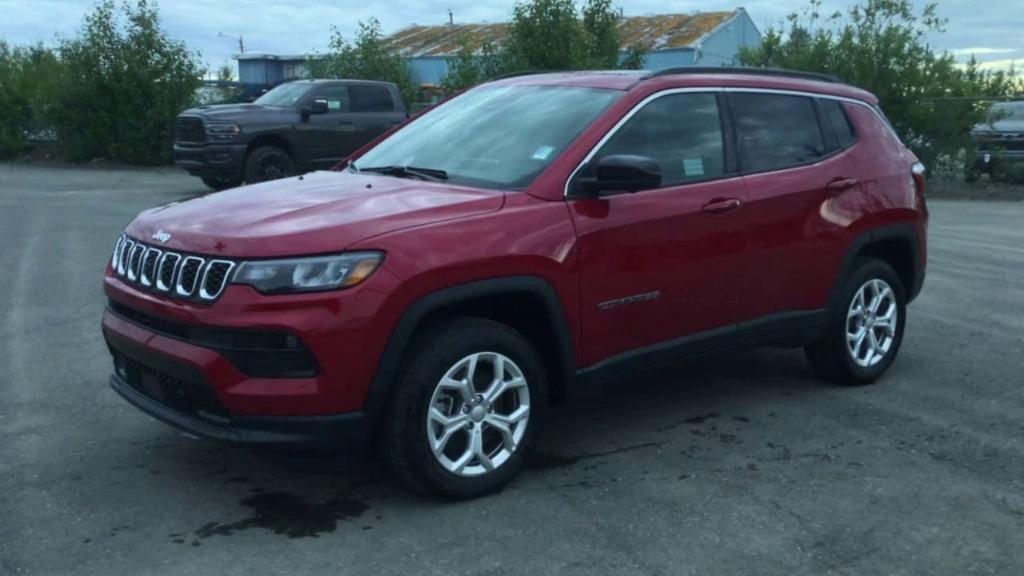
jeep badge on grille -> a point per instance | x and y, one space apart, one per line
161 236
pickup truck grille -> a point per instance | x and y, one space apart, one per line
185 276
190 130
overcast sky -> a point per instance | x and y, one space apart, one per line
992 30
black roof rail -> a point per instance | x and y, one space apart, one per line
524 73
778 72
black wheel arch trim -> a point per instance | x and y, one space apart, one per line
390 360
904 232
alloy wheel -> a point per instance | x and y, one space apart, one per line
478 414
871 323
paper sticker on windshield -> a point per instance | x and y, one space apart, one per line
543 152
693 166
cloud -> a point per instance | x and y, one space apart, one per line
1002 65
981 51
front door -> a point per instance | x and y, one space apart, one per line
661 264
325 139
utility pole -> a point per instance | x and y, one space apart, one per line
241 43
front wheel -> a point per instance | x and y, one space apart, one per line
467 408
864 335
268 163
218 183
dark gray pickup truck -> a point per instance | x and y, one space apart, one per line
294 128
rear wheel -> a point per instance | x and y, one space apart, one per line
221 182
268 163
864 335
467 408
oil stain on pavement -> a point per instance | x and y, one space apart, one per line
284 514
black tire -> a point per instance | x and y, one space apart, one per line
219 183
830 357
433 352
268 163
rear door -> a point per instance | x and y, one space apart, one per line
375 110
661 264
797 173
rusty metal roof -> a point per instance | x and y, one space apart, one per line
660 32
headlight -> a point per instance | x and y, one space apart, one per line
310 274
223 132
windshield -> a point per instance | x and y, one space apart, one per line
285 95
495 136
1006 111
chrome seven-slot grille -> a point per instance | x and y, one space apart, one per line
173 273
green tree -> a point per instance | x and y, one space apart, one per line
881 46
552 35
125 81
27 79
470 67
544 35
600 30
370 57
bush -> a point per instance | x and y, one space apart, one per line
27 75
124 82
881 46
369 58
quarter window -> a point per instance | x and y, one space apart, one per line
681 132
775 131
840 124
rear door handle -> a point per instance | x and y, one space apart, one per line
722 205
840 184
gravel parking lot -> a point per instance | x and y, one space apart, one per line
735 464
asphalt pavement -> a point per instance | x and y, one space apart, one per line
733 464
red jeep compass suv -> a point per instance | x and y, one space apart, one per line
450 280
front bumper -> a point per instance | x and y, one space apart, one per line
341 430
174 390
211 159
203 379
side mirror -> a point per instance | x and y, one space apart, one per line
620 173
318 106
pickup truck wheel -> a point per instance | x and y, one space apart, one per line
864 335
467 408
221 182
268 163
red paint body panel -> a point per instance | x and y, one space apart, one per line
658 241
779 251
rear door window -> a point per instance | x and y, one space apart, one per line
775 131
369 98
681 132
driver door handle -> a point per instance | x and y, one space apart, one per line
840 184
722 205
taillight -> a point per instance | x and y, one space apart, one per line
917 172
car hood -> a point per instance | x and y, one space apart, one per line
316 213
227 112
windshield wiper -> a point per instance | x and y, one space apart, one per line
431 174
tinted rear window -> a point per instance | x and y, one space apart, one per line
365 98
774 131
